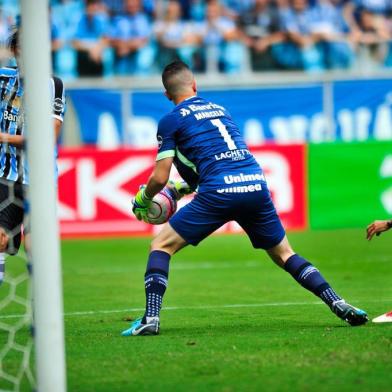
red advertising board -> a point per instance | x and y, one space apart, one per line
96 188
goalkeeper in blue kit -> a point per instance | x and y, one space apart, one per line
201 139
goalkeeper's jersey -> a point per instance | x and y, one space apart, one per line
208 149
13 162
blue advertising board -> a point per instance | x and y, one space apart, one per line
360 110
92 106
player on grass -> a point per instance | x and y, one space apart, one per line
13 170
205 144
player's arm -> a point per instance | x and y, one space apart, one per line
159 177
57 128
156 182
13 140
19 140
377 227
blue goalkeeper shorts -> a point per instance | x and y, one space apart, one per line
253 211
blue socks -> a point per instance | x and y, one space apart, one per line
157 273
155 282
309 277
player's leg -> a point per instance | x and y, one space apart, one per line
3 247
302 271
164 245
11 216
311 279
190 225
260 221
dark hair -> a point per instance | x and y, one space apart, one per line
13 41
171 70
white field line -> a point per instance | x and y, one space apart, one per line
220 265
203 265
202 307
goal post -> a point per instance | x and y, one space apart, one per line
45 247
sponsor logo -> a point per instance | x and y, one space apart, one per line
10 117
58 105
184 112
160 141
200 108
230 179
234 155
241 189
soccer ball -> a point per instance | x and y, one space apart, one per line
162 207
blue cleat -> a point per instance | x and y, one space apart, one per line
349 313
151 327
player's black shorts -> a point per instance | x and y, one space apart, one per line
12 196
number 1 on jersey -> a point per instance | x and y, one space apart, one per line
223 131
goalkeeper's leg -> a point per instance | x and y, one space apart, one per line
310 278
190 225
155 280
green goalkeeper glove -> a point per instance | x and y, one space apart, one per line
179 188
140 204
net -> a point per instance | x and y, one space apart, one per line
16 341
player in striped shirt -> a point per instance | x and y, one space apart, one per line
13 162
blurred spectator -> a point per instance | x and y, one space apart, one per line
90 39
222 48
56 41
373 39
300 50
369 21
197 10
6 23
375 7
291 34
234 8
260 25
134 53
175 37
333 35
114 7
149 7
190 9
10 9
66 15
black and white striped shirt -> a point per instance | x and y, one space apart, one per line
13 163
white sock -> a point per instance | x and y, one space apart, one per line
2 266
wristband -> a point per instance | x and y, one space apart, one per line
389 224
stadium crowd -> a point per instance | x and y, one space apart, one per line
138 37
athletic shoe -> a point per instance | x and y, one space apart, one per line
347 312
151 327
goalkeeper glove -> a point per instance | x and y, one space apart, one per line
140 204
179 188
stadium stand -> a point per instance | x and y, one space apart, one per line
137 37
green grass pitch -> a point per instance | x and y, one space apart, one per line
233 320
